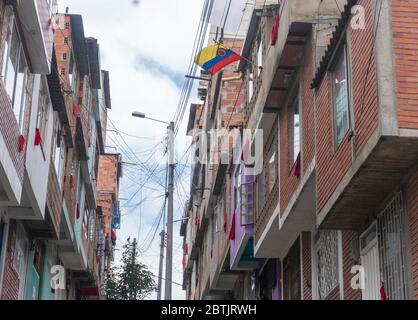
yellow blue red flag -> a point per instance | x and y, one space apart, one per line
216 57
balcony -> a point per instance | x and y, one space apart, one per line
282 59
382 148
38 33
242 247
50 227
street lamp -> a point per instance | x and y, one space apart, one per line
143 116
169 258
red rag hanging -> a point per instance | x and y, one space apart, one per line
383 292
75 110
232 231
297 167
113 237
275 30
78 211
186 249
196 220
21 142
225 222
38 137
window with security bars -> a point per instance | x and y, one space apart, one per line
327 262
247 203
391 232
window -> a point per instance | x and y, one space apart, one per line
1 236
295 127
260 57
260 193
42 117
392 249
327 262
19 252
340 98
64 56
72 75
250 87
91 230
237 187
86 217
247 201
292 273
58 150
65 40
271 169
15 72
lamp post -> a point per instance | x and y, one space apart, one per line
169 253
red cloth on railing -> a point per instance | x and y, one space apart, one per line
75 110
196 219
38 137
21 143
383 292
232 231
275 30
297 167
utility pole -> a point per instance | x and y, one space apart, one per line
160 269
132 293
169 255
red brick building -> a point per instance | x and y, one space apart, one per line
337 196
54 99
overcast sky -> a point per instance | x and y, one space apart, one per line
146 47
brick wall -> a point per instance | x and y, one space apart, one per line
405 46
63 53
107 187
364 98
71 175
412 210
233 98
349 238
334 294
306 266
10 289
288 181
334 161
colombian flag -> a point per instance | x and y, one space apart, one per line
216 57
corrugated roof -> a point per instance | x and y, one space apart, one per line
339 32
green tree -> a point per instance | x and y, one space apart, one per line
131 280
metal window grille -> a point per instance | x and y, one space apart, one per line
327 262
115 215
390 225
247 203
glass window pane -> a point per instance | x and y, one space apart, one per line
296 130
11 63
341 98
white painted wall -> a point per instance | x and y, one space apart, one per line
38 157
